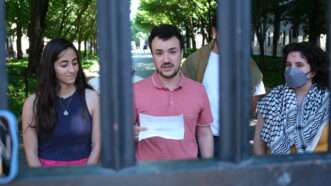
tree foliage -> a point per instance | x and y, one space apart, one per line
192 16
74 20
17 16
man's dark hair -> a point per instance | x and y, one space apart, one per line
165 32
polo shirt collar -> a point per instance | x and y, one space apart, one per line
158 84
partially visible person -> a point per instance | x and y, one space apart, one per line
293 117
61 122
203 66
168 97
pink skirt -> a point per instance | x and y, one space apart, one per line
55 163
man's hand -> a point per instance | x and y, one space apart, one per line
137 129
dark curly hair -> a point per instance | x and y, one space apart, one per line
316 58
48 86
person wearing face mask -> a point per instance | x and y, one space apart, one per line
293 117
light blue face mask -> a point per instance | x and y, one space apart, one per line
295 78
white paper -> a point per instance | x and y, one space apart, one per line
168 127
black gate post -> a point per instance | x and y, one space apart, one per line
3 71
328 22
235 96
114 38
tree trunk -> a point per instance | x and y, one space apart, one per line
315 22
290 36
194 44
275 38
19 41
187 37
210 13
192 35
261 39
92 47
79 47
284 38
36 29
204 36
85 47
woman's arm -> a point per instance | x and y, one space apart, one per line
259 147
30 139
92 100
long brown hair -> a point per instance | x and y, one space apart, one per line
48 85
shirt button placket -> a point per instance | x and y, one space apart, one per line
171 99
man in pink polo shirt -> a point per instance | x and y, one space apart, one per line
173 110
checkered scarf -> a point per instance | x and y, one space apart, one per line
287 124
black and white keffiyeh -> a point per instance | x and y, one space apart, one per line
287 124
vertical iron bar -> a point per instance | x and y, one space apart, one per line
245 78
3 71
329 54
234 39
116 87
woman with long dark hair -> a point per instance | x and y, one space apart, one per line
293 117
61 122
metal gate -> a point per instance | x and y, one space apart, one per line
234 166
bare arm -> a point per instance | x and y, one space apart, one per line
259 147
205 141
92 100
30 139
255 99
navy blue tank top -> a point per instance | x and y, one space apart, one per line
71 137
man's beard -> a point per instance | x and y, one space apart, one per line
168 76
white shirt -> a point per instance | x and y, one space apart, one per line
211 84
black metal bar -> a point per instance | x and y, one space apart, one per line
234 39
329 53
3 71
245 78
104 56
116 86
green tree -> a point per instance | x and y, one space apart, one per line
36 29
73 20
311 15
17 16
261 20
192 16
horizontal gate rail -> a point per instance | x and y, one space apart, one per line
254 172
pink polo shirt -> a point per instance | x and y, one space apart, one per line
189 99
